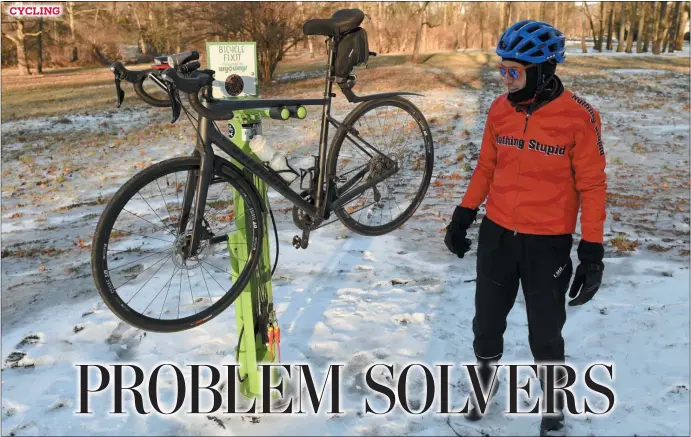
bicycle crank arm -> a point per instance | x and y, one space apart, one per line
347 197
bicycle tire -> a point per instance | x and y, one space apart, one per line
116 206
351 119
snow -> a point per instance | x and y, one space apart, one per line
396 299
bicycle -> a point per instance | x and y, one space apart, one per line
195 184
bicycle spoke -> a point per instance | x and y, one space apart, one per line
164 201
147 281
190 282
164 286
120 286
150 207
142 235
142 218
135 261
170 282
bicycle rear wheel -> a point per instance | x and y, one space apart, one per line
139 262
394 127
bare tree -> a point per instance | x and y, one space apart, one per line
681 29
674 27
630 24
622 24
421 14
609 25
19 39
651 29
598 44
583 46
586 11
640 28
661 28
274 26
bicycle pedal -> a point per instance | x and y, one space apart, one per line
297 242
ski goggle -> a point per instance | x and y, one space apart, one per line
514 71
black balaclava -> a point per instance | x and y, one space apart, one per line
537 78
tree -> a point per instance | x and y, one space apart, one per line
674 27
622 24
629 39
583 46
421 14
596 41
651 30
19 40
640 29
609 26
275 28
661 28
681 29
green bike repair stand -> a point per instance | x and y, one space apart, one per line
252 350
235 64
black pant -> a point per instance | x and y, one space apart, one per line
543 266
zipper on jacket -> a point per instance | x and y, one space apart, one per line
525 127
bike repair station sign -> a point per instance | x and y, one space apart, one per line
235 64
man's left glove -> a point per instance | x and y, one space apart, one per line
588 277
456 231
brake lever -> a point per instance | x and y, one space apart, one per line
175 102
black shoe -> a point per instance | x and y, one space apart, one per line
474 413
552 425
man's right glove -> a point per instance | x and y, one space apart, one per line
588 277
455 238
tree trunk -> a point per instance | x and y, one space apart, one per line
39 47
507 16
418 34
586 10
19 41
543 12
610 22
165 27
483 37
681 29
380 19
640 29
651 28
676 18
622 27
465 34
69 7
632 21
556 14
599 39
661 28
583 45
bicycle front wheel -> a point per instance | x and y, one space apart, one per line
139 259
393 127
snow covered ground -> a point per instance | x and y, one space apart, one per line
347 299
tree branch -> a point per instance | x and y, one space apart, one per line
11 38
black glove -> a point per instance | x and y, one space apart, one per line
588 277
455 239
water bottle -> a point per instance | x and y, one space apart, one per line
275 159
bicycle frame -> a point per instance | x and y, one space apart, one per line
209 135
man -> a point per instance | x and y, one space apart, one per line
541 160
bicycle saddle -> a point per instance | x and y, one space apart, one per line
340 22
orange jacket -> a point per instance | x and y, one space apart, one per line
538 170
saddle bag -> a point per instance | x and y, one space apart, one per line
352 50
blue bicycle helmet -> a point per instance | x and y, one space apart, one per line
532 41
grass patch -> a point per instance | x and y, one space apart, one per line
623 244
